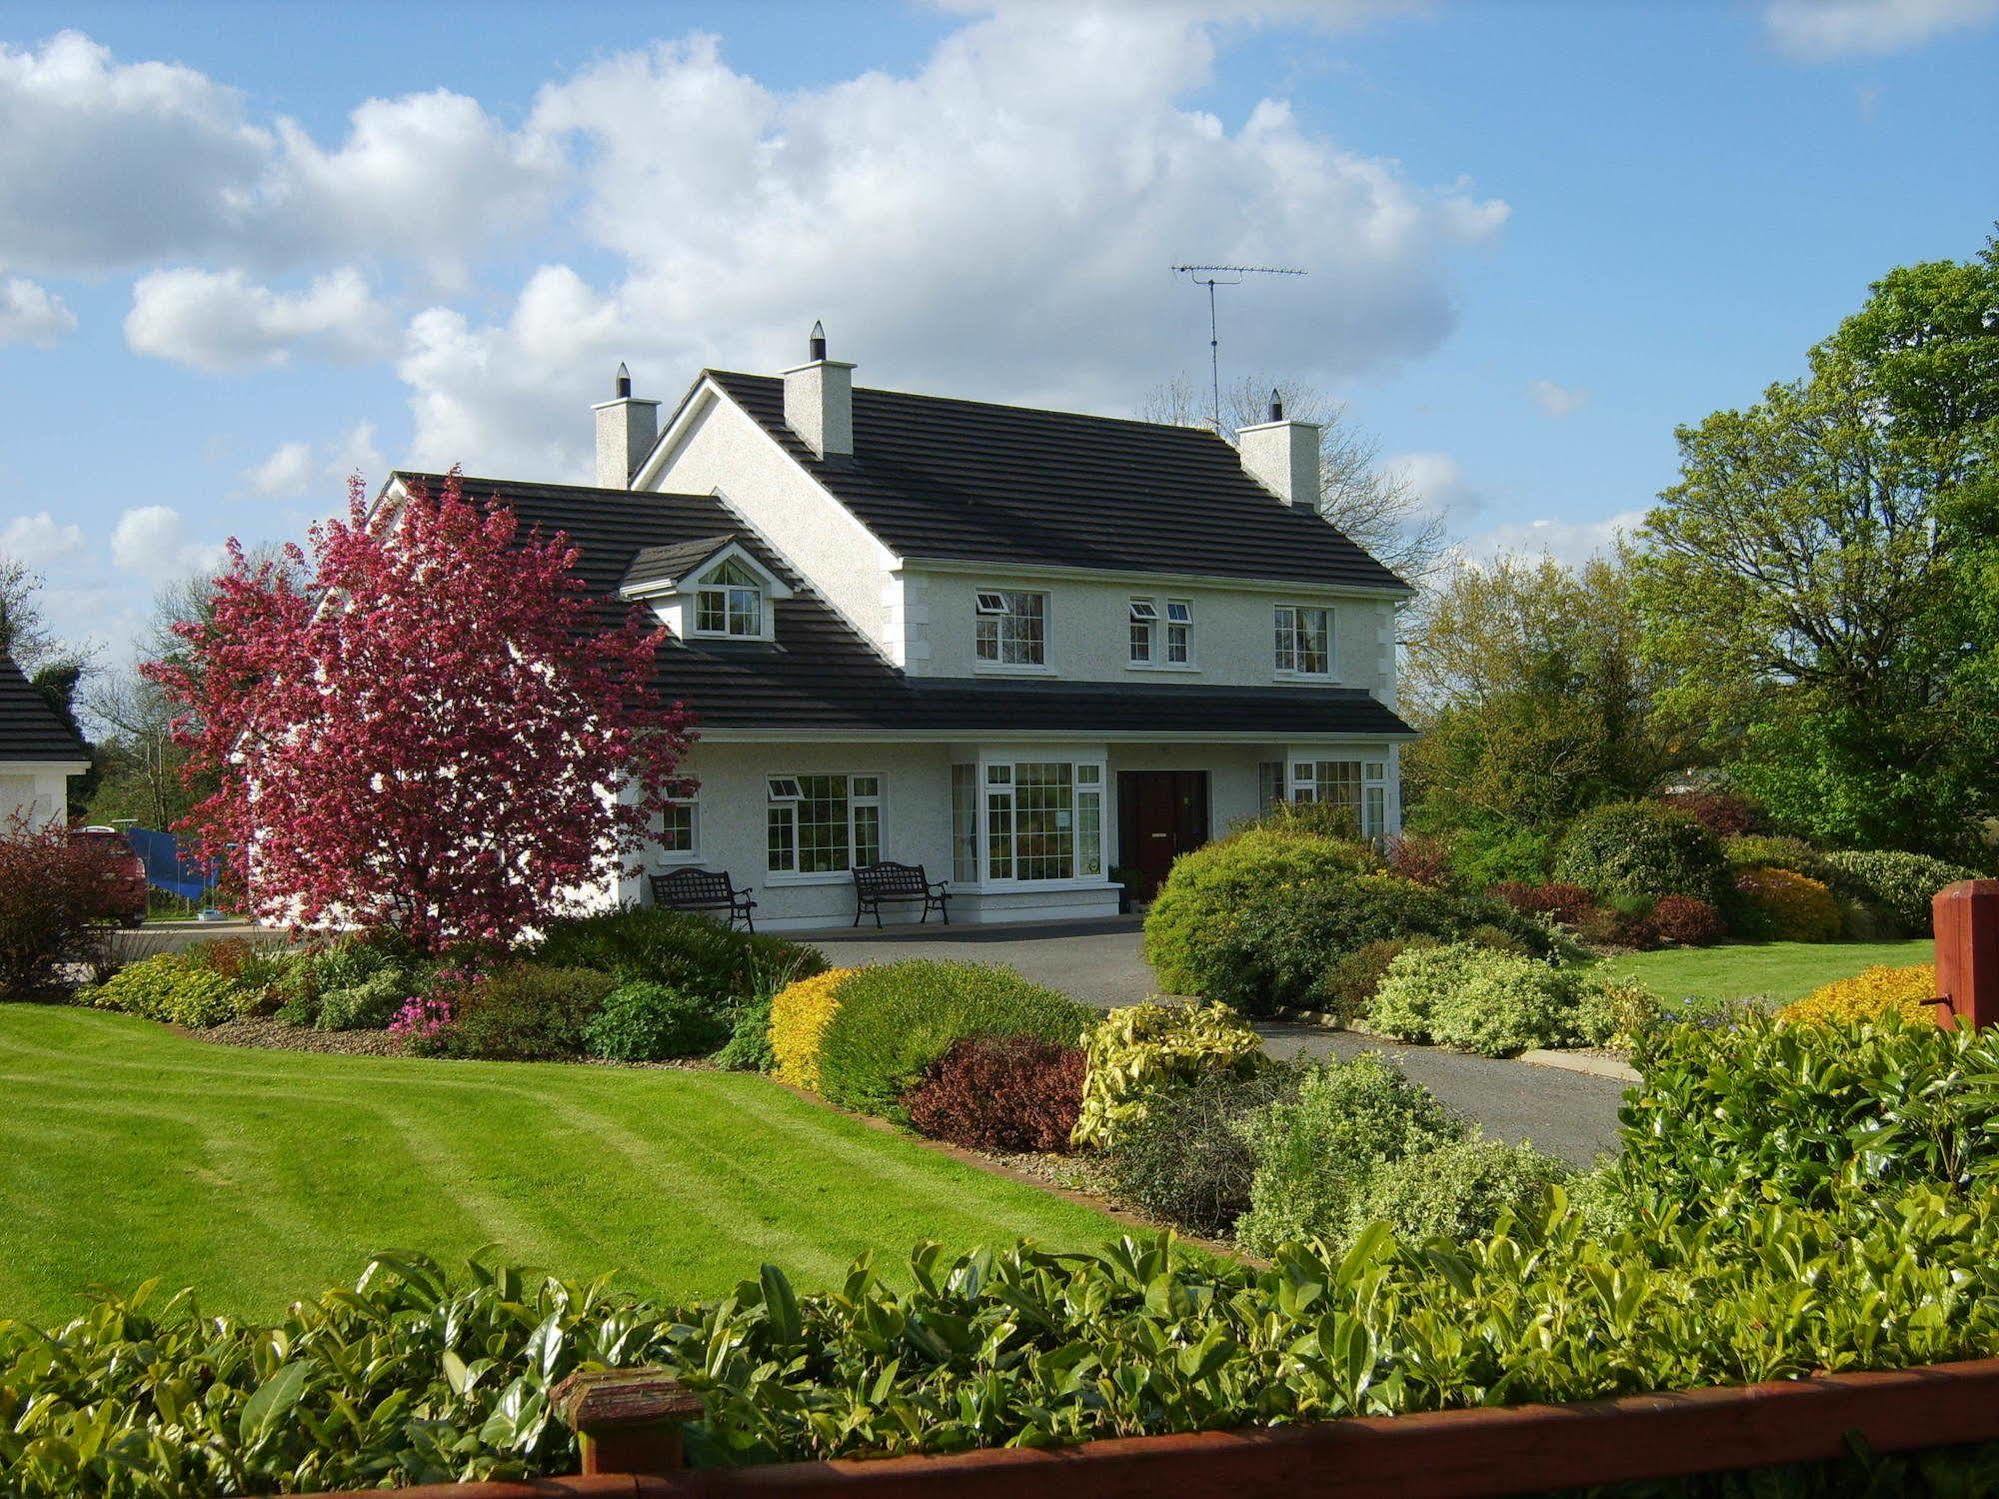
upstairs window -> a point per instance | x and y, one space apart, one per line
729 601
1144 622
1304 640
1179 633
1012 628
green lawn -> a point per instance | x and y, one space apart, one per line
127 1151
1778 971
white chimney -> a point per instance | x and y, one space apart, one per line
1282 456
819 399
626 428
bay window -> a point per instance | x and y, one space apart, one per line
1304 640
1027 821
1360 786
825 824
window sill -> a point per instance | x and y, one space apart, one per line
834 877
1004 669
1183 667
1030 887
1320 678
675 861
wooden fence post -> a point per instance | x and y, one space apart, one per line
627 1420
1967 927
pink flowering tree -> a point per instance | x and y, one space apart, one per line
428 726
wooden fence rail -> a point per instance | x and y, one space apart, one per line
1462 1454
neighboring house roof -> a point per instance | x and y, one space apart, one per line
29 728
820 674
976 482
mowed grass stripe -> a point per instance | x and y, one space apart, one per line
128 1151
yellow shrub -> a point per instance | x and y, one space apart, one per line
1871 992
1794 907
799 1015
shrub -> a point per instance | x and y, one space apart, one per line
748 1047
1475 999
1316 1151
1457 1191
1687 920
1000 1093
1788 906
1620 923
1762 1110
526 1012
1767 851
1568 904
1909 992
1260 922
1616 1013
51 902
643 1022
1422 858
171 987
368 1005
1640 849
1187 1160
692 954
1490 853
799 1015
422 1024
1141 1052
1349 986
893 1021
1902 885
1726 814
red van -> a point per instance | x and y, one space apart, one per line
124 874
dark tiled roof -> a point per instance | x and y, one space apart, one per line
667 563
29 728
821 675
971 481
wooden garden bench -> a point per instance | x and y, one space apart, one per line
703 890
889 881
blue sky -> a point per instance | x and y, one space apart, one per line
1541 234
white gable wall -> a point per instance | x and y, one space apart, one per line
35 790
716 448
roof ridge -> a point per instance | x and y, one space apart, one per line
651 494
1058 411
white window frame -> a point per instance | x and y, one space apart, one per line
996 780
785 790
1369 804
1284 637
701 588
692 853
1142 633
1000 605
1183 623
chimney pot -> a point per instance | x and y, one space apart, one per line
622 386
1276 406
815 346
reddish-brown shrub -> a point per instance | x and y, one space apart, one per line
51 898
1000 1093
1687 920
1420 857
1568 904
1606 926
1723 813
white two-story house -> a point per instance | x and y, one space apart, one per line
1021 648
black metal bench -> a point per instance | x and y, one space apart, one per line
889 881
703 890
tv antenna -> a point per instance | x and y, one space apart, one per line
1212 276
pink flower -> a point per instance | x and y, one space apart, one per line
421 1019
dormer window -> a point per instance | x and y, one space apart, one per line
712 588
729 600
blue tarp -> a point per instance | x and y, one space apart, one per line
166 868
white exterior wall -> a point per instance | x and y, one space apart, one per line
1088 638
719 450
37 790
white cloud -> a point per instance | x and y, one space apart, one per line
221 320
1439 479
1557 401
31 314
40 539
107 164
152 542
999 222
1826 30
1565 541
285 473
355 453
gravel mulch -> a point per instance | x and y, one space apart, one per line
275 1035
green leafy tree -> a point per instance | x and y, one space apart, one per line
1820 584
1526 678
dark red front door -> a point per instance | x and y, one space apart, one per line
1161 814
